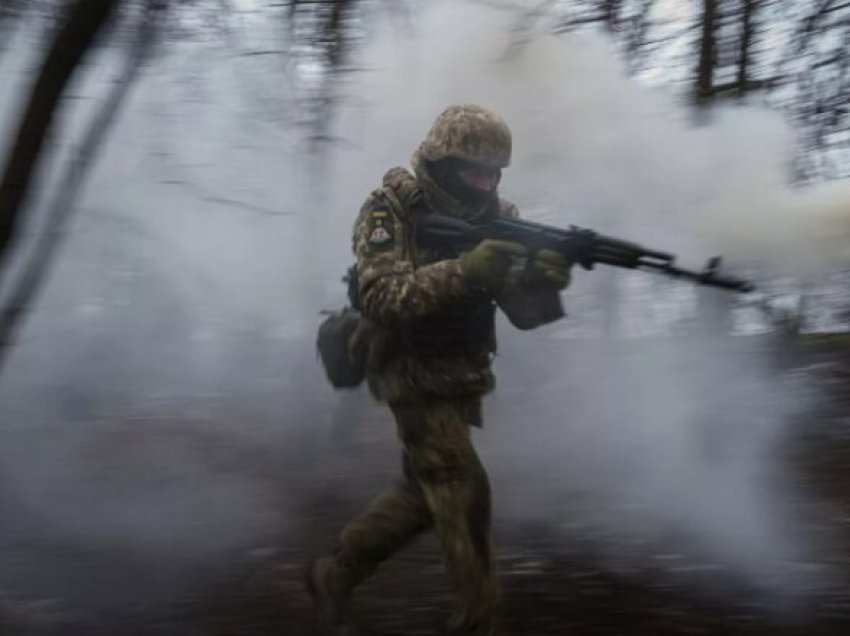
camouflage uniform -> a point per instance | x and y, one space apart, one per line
435 348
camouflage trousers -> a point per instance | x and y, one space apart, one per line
444 487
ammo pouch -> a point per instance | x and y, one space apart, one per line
530 307
340 348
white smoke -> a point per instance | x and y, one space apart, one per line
674 436
204 223
591 144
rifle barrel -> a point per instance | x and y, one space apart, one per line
584 246
707 277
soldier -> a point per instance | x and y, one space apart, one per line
430 360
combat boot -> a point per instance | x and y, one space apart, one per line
330 588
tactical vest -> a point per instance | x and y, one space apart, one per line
466 325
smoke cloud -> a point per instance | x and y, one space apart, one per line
676 436
188 293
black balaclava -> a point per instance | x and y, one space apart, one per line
445 174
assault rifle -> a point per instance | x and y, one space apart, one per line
579 245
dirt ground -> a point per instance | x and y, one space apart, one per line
553 584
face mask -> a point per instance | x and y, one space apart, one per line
466 181
480 178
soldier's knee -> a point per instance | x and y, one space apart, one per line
357 538
369 544
350 536
357 553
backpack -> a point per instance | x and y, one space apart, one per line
345 365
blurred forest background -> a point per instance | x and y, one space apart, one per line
787 56
177 183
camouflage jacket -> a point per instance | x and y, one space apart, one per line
436 334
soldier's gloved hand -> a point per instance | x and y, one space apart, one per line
488 263
552 267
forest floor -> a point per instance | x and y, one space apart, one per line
552 584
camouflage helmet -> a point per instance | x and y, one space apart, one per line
469 132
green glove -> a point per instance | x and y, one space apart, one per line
553 268
488 263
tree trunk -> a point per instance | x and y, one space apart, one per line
611 14
62 205
83 21
704 87
745 47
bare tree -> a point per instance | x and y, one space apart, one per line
62 205
707 57
83 21
326 27
818 60
793 56
638 26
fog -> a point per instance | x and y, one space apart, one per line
172 351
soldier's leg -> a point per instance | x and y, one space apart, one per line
436 435
390 521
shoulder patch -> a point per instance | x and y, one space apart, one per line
380 224
380 235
